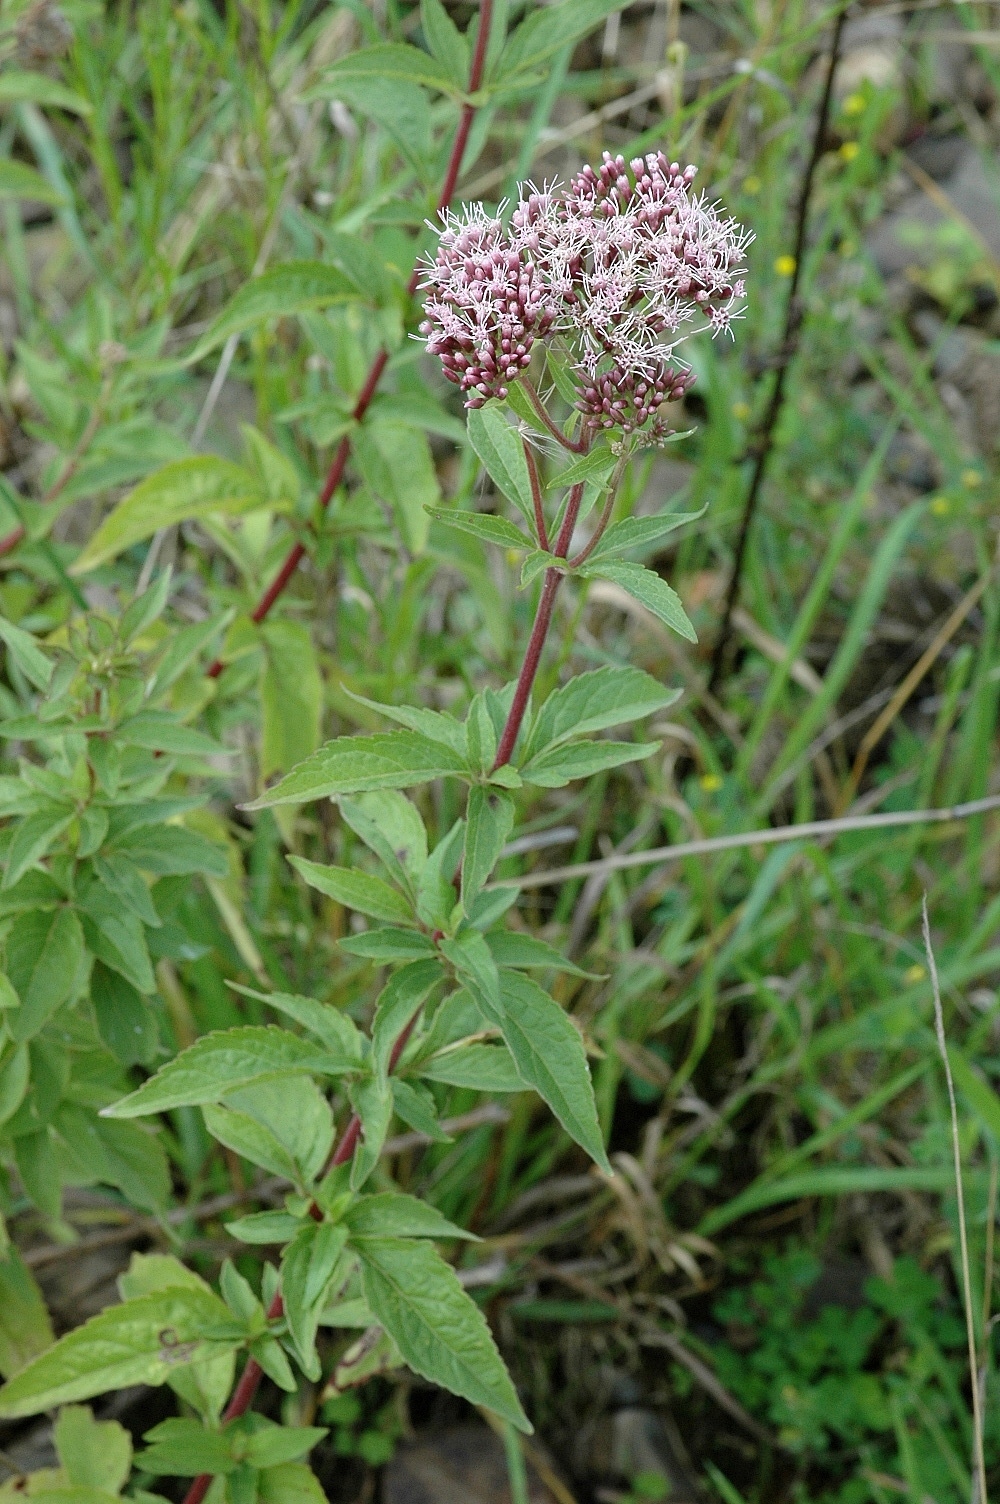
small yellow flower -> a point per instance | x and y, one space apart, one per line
752 184
741 410
940 506
854 104
785 266
711 783
971 478
849 150
914 974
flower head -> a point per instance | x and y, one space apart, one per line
621 266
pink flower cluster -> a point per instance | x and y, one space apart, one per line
620 267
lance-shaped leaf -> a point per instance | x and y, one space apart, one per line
398 1001
392 60
355 890
557 766
594 701
394 1214
547 30
355 764
647 588
19 181
179 492
482 525
219 1063
639 532
339 1033
307 1267
142 1341
483 1067
499 447
294 287
508 948
438 1328
489 821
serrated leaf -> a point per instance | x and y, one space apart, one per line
648 589
291 697
297 1113
95 1454
160 731
394 1214
415 1105
339 1033
120 875
398 1001
482 1067
392 60
547 31
139 1342
355 764
398 105
252 1140
185 1448
499 447
272 1447
355 890
26 653
561 765
639 532
439 1330
45 959
117 1154
388 945
307 1266
179 492
509 948
372 1101
482 525
489 821
172 851
117 937
595 466
291 1483
437 725
549 1056
445 41
25 1328
391 827
217 1064
19 181
264 1227
594 701
32 838
398 466
281 292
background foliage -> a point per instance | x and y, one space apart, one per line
210 215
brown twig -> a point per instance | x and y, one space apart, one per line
763 442
335 474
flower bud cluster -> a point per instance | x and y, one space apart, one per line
486 306
615 265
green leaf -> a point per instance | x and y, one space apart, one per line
393 61
639 532
438 1328
17 87
339 1033
172 851
217 1064
265 1227
185 1448
388 945
94 1453
292 1483
416 1106
250 1139
125 1021
354 764
372 1101
398 105
509 948
179 492
445 41
123 879
46 960
482 525
482 1067
435 724
205 1385
307 1267
291 697
139 1342
281 292
398 1001
594 701
436 895
595 466
160 731
18 181
298 1115
397 465
647 588
118 1154
26 653
499 447
117 937
547 31
391 827
355 890
35 1157
394 1214
561 765
272 1446
25 1328
489 822
549 1056
33 837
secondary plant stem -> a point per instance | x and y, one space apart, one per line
536 494
576 446
335 474
539 632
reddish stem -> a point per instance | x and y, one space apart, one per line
539 632
576 446
335 474
11 540
536 494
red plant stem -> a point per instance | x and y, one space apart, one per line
539 632
335 474
10 540
536 494
576 446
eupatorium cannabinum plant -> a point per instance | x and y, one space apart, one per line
560 323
